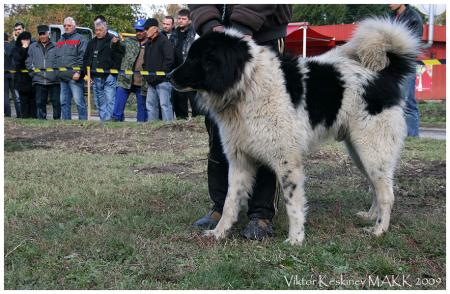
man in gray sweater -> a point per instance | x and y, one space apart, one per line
69 53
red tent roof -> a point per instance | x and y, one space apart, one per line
315 41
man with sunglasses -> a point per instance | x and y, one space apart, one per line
132 50
69 53
42 54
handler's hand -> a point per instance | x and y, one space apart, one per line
76 76
218 29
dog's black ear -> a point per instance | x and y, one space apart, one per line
224 65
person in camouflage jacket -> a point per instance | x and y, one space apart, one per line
133 57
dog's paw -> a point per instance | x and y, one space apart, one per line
293 242
214 233
373 231
295 239
364 215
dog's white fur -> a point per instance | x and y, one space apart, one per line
258 123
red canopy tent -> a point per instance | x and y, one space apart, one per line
320 39
316 43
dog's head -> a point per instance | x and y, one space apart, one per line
214 64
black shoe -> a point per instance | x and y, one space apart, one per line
209 221
258 229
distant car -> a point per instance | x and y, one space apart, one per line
57 30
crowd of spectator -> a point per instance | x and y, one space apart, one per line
152 49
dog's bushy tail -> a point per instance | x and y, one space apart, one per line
382 43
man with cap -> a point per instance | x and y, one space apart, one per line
158 56
132 50
42 54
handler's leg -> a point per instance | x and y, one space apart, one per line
240 178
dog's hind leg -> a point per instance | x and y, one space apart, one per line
378 147
372 213
291 177
241 176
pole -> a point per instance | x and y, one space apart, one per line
89 93
430 26
304 40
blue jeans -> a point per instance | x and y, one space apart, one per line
104 93
9 88
121 99
159 96
411 109
73 89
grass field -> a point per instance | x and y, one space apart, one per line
110 206
432 113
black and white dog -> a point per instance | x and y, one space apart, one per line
273 110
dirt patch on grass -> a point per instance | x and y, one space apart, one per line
99 139
416 168
184 170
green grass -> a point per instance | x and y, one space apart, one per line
432 113
110 206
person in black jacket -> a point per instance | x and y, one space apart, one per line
185 36
100 54
8 80
158 56
404 13
266 24
169 28
22 81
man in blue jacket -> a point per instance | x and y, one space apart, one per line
42 54
404 13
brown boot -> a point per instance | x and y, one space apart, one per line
209 221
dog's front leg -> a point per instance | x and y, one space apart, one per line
292 177
241 175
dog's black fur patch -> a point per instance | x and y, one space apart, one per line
217 60
292 77
324 93
384 91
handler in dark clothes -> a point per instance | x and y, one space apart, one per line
266 24
22 81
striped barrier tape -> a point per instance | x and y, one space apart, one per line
96 70
432 61
159 73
